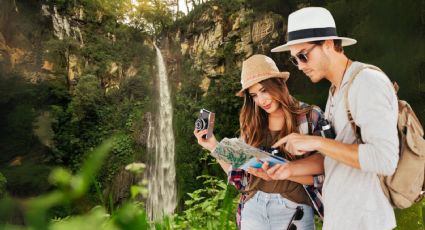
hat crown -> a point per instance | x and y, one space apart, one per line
311 24
310 18
256 67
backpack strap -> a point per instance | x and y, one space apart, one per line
356 72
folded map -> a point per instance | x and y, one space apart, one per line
241 155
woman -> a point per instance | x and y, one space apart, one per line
268 114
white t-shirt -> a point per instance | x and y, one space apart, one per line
353 198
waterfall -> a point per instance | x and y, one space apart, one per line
161 198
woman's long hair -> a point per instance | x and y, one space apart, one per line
253 120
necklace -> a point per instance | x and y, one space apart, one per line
332 93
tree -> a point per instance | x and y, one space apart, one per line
187 5
116 8
152 16
59 52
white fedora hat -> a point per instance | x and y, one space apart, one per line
311 24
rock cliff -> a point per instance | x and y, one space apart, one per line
208 39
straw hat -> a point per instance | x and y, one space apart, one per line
258 68
311 24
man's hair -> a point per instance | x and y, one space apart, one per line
337 44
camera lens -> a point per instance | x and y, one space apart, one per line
326 129
275 151
201 124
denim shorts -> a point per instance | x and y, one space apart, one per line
272 211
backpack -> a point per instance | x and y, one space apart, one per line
406 186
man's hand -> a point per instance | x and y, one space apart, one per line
298 144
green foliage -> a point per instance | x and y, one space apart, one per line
131 216
401 34
221 99
152 17
186 104
77 187
282 7
95 217
52 93
122 154
211 207
23 176
19 101
135 88
3 183
78 122
221 96
93 112
87 99
226 8
208 208
72 188
59 52
411 218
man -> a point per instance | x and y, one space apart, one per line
352 196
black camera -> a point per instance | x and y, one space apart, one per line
273 151
205 121
326 129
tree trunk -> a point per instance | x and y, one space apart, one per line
187 5
178 9
16 7
68 81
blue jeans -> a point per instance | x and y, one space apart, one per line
271 211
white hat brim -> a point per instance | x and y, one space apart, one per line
285 47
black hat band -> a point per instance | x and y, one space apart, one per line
312 33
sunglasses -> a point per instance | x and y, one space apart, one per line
302 56
298 215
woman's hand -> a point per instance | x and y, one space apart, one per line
278 171
259 172
209 143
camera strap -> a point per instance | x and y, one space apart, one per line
309 118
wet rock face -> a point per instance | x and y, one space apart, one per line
61 24
20 40
142 133
69 26
206 39
120 186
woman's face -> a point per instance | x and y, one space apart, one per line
263 99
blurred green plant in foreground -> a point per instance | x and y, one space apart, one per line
208 208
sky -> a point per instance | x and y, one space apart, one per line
182 6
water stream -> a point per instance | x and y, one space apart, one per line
161 168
